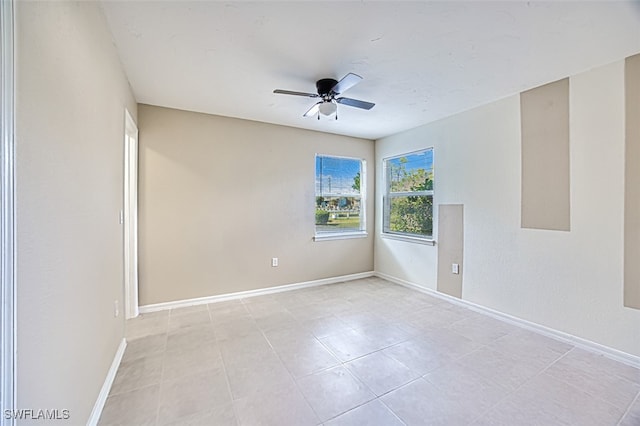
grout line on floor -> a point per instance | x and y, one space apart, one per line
628 410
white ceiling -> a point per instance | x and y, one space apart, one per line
421 61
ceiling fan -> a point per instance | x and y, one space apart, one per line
328 90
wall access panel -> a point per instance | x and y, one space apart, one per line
450 248
544 115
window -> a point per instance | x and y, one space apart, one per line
408 201
339 197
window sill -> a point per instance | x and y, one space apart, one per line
340 236
418 240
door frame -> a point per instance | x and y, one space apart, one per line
130 217
8 303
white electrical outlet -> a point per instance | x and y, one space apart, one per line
116 309
274 261
455 268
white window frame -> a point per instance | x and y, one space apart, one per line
362 232
386 203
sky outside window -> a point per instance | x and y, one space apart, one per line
336 176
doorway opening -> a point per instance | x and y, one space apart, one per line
130 217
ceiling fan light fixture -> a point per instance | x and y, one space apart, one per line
328 89
328 108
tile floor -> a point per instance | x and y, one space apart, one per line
366 352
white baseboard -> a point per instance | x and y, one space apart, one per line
607 351
250 293
106 386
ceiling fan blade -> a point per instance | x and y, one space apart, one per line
347 82
313 110
290 92
355 103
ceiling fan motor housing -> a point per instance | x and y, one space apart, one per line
325 85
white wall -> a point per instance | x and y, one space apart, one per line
569 281
71 94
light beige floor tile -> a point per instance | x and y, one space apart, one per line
221 415
426 319
228 308
135 408
151 315
605 365
545 400
349 345
333 392
534 347
454 344
444 315
260 308
507 371
381 373
261 377
138 373
412 301
391 309
588 361
421 403
145 346
632 417
326 326
304 359
477 369
288 337
277 320
458 383
358 320
189 319
385 334
230 330
190 361
337 306
420 355
147 324
259 300
590 374
306 312
189 395
283 406
188 310
509 414
484 330
373 413
190 337
246 351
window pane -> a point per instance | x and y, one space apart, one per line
412 172
411 215
337 214
338 194
408 203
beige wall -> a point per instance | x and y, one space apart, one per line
71 95
632 183
219 197
569 281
